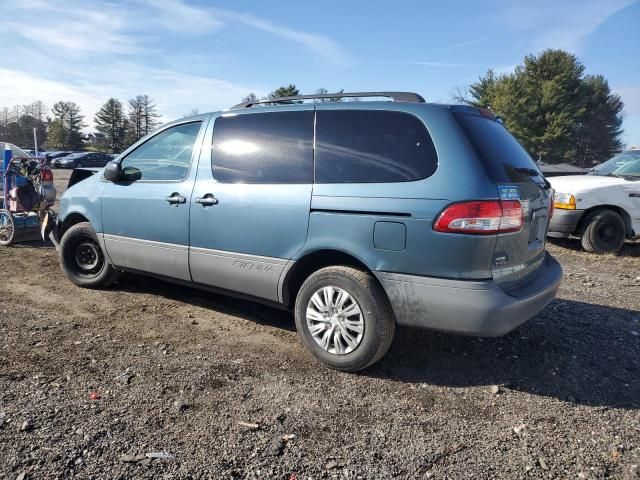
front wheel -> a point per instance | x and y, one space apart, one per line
605 232
82 259
344 318
7 228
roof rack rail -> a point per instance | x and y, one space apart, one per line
395 96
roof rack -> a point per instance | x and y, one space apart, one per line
395 96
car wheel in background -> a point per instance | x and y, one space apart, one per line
7 228
344 317
79 165
604 233
82 259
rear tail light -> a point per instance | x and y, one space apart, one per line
481 217
46 175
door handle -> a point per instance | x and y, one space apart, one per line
207 200
175 199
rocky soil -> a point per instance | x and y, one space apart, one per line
151 380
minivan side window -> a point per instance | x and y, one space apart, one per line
374 146
164 157
270 147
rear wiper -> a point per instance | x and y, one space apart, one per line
533 173
528 171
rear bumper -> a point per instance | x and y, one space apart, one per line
479 308
564 222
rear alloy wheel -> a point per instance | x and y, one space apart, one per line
82 259
7 228
605 232
79 165
344 318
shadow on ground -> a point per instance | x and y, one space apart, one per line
578 352
630 249
573 351
256 312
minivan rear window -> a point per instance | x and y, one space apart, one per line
505 160
373 146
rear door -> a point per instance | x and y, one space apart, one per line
250 205
146 217
518 255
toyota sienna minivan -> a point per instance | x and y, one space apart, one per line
356 216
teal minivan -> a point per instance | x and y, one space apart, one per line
356 216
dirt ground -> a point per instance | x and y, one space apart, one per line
93 381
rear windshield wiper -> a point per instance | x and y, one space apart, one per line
534 173
528 171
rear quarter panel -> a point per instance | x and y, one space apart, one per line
414 204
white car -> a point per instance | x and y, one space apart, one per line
602 208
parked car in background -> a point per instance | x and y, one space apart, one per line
616 162
32 153
357 216
52 156
601 208
83 159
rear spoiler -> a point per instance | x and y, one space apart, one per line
80 174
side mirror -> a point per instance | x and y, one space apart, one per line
113 171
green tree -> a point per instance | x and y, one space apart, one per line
598 135
65 127
554 109
285 91
143 118
110 120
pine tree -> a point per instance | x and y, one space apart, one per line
286 91
65 128
557 113
110 121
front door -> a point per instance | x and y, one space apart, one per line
250 205
146 217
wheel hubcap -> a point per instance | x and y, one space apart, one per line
335 321
88 256
607 233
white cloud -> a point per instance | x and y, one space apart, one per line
178 16
88 50
563 24
174 93
320 44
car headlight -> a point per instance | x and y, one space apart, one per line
564 201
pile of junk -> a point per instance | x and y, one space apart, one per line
26 196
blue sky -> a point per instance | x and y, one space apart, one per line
206 55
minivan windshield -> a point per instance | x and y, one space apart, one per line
616 162
502 155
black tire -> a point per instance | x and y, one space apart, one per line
605 232
82 259
79 165
379 321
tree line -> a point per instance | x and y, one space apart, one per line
557 112
60 128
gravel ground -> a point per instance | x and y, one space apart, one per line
93 383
